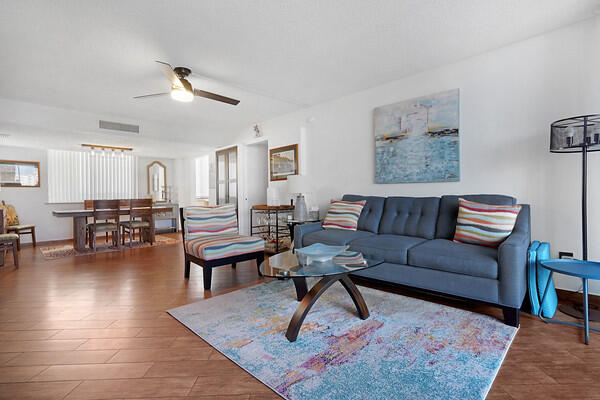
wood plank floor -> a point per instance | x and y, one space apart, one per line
94 327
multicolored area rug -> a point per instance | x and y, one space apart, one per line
406 349
67 250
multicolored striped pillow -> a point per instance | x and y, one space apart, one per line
210 220
343 215
484 224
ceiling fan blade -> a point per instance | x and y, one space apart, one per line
214 96
169 73
151 95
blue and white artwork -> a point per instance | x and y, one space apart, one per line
417 140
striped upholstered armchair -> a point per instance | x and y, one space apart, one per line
211 239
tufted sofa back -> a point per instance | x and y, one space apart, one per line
410 216
371 213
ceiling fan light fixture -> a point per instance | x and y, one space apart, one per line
181 94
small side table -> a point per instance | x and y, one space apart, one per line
291 223
580 269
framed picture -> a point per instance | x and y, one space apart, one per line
417 140
283 162
19 173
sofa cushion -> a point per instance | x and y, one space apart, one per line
446 222
459 258
389 248
371 213
410 216
484 224
221 246
343 215
333 237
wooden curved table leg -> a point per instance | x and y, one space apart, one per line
359 301
301 287
306 304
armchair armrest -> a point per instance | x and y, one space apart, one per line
512 261
303 229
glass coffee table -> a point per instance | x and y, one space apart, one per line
297 268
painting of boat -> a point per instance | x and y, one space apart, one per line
417 140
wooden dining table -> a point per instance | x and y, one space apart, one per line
80 217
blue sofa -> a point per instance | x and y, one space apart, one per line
413 235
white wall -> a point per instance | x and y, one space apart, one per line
31 204
508 98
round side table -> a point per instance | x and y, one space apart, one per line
580 269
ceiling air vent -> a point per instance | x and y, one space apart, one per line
118 126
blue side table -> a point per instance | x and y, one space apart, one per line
581 269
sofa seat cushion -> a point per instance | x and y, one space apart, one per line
221 246
334 237
459 258
389 248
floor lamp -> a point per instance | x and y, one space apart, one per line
578 135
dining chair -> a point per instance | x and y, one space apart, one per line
8 241
13 225
140 218
108 211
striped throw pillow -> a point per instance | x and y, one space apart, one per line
210 220
484 224
343 215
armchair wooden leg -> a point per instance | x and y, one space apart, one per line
187 268
18 242
207 277
259 260
15 254
33 236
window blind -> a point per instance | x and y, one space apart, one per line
75 176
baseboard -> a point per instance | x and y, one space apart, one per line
576 297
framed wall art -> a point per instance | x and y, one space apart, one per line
283 162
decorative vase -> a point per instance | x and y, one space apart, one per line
300 212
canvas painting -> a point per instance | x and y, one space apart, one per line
417 140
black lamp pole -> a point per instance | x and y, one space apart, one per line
584 146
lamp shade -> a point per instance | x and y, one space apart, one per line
571 135
297 184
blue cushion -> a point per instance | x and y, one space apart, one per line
459 258
371 213
446 222
333 237
410 216
389 248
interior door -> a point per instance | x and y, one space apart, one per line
227 176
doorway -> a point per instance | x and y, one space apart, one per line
227 176
256 178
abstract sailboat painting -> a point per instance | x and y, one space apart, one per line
417 140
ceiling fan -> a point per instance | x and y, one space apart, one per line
181 88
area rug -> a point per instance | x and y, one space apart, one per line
62 251
406 349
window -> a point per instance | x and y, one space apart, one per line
75 176
202 177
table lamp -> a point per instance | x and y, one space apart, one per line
578 135
297 185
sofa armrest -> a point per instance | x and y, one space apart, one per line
302 229
512 261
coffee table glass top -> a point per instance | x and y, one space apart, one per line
290 265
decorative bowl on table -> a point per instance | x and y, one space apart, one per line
320 252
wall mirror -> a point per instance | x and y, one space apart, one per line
157 181
19 173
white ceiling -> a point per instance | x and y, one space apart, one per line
92 57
